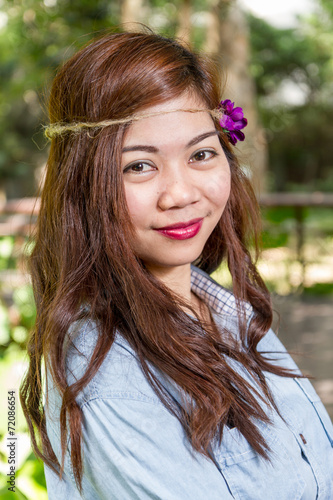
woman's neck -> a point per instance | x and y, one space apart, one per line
178 280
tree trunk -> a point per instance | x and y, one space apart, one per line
184 27
132 12
228 42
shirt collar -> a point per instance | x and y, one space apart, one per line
214 295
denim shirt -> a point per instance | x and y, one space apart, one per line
134 448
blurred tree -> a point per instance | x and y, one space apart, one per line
293 71
36 36
279 55
327 6
132 11
228 41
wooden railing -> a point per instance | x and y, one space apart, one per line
299 202
17 216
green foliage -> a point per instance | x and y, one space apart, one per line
286 53
319 289
318 221
278 226
7 261
327 6
299 135
46 33
300 147
272 239
30 481
17 308
17 316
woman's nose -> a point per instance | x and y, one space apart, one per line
178 190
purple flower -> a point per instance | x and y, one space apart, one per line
232 121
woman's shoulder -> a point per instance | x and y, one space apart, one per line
120 374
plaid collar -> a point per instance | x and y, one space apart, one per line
214 295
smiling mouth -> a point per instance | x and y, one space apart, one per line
181 230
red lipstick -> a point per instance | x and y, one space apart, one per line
181 230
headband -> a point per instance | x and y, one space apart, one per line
231 120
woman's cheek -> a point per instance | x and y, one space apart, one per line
139 202
218 188
133 199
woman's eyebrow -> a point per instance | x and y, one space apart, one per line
153 149
200 138
148 149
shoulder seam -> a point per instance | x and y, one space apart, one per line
135 397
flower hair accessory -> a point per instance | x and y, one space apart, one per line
232 121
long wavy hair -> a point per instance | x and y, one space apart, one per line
83 256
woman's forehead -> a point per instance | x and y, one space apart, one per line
179 130
177 120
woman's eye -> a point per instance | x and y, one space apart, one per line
203 155
139 167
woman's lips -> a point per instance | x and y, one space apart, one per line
181 230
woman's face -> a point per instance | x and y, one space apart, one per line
177 182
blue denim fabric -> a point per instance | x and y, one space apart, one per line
134 448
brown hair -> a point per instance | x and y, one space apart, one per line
83 255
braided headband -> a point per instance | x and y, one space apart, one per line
231 120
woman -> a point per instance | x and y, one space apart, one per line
160 383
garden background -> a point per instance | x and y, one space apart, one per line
281 76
